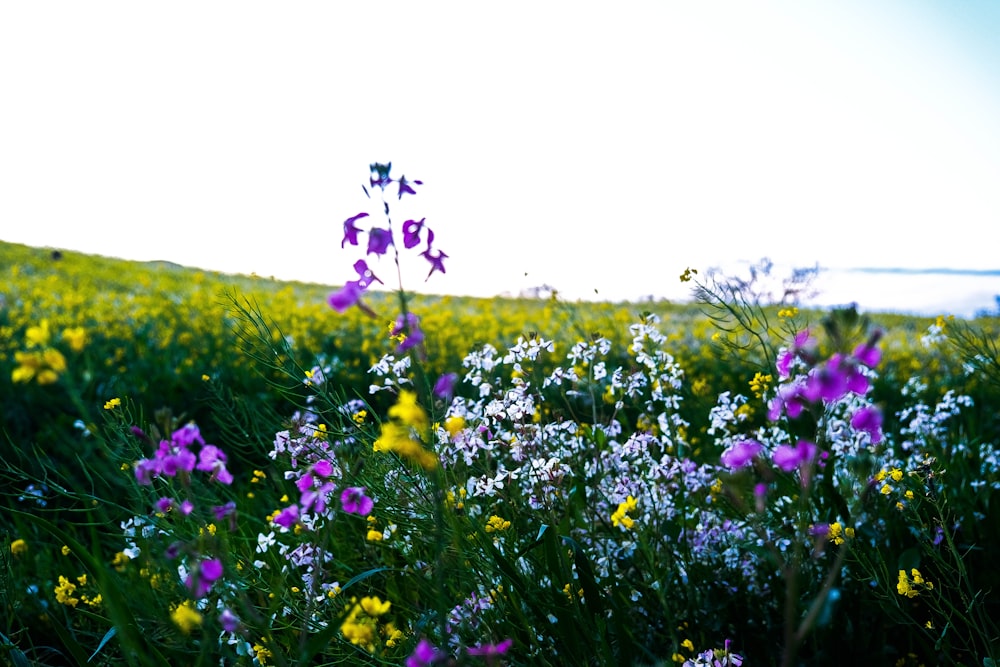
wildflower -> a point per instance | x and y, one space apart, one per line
76 337
688 274
445 386
206 573
287 517
354 501
837 532
411 232
496 524
65 550
119 561
407 332
620 516
38 336
869 420
489 650
351 230
913 584
741 454
454 425
788 458
379 241
64 592
229 621
424 655
436 258
261 652
18 547
373 606
112 404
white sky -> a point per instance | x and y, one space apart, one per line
592 146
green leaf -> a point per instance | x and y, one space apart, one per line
107 637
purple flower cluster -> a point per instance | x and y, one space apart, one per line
827 382
380 239
174 457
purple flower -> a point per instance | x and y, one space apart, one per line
869 420
411 232
351 230
287 517
788 458
146 470
868 354
228 620
222 511
424 655
411 327
741 454
802 341
212 459
490 649
380 174
346 296
187 435
354 501
404 187
207 573
436 258
365 275
186 507
164 505
323 468
445 386
379 241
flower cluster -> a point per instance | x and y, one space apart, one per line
416 234
40 361
175 458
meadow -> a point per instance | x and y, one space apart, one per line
201 468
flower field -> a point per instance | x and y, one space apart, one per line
209 469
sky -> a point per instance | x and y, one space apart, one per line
598 148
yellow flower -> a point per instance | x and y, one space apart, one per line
76 337
112 404
454 425
374 606
120 561
64 592
911 586
65 550
409 412
620 516
373 535
38 336
186 617
18 547
497 524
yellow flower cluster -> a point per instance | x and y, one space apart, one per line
760 383
186 617
65 592
497 524
837 533
39 361
360 626
913 584
407 420
620 517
